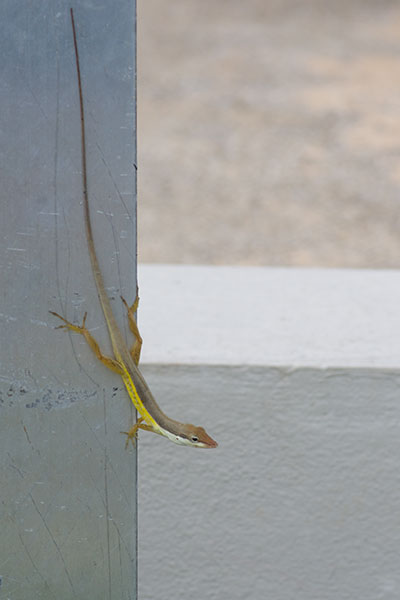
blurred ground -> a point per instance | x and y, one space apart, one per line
269 132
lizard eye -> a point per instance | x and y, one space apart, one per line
194 438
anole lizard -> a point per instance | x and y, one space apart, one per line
125 360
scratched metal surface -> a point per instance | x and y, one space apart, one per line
68 505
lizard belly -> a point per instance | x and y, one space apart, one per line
137 402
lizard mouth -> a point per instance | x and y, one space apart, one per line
211 443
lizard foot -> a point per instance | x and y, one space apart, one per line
132 434
67 325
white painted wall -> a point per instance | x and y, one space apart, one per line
295 373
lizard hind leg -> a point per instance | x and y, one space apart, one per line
109 362
137 344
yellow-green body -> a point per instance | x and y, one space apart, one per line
125 360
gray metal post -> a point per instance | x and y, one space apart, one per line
67 485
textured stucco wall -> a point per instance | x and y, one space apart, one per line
301 499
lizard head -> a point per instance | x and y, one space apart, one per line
190 435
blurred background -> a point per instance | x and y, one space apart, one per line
269 132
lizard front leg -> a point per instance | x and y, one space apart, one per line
133 432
